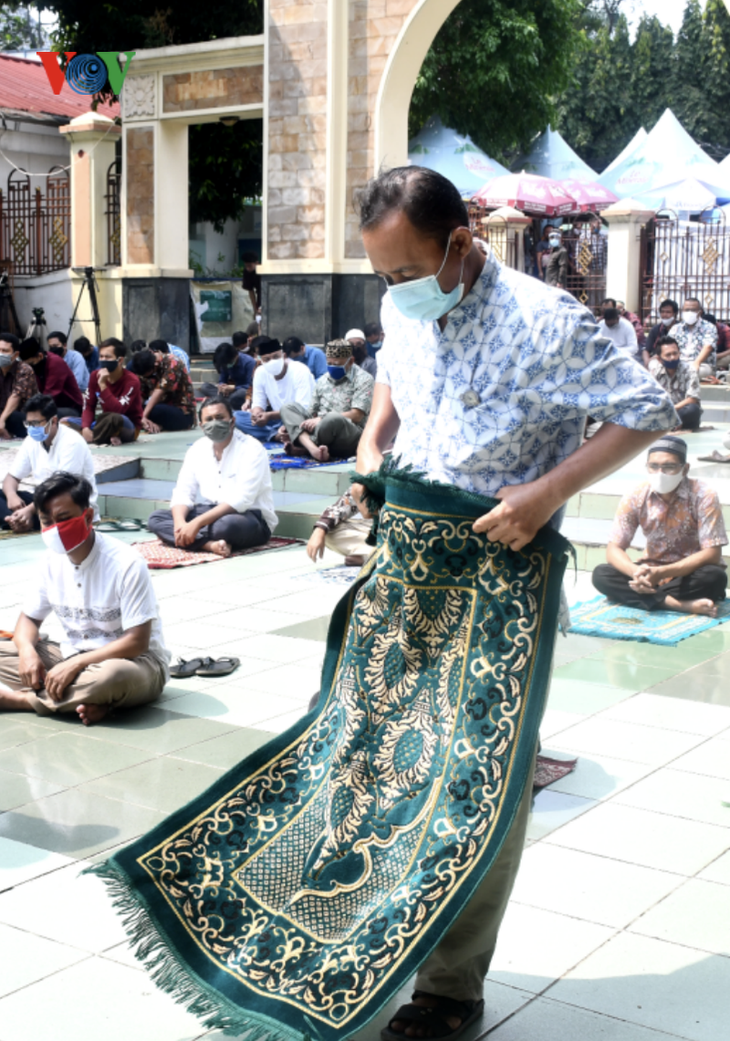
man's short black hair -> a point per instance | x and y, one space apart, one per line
292 345
249 257
430 202
42 403
610 301
30 348
58 335
224 356
82 344
610 314
143 362
137 345
240 339
60 483
160 346
120 350
663 340
372 329
11 339
217 400
669 303
693 300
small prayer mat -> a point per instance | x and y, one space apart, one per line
158 555
302 890
339 575
548 770
281 461
602 617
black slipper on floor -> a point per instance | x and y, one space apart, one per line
217 666
185 669
434 1018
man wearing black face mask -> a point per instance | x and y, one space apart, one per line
53 377
680 380
58 345
113 403
223 500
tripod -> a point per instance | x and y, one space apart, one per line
7 306
36 326
89 284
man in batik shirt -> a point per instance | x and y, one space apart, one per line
332 427
680 380
485 380
681 519
167 391
343 529
697 338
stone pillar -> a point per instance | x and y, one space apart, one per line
92 139
623 276
505 227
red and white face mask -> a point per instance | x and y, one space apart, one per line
66 536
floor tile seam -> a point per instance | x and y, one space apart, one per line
605 856
77 784
42 979
510 1015
679 943
43 874
607 1015
128 800
51 939
675 816
653 726
575 917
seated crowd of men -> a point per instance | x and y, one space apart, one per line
313 402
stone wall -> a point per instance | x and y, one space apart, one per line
297 128
374 27
213 88
140 195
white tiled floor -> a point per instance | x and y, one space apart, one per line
618 926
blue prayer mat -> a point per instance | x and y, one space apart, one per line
602 617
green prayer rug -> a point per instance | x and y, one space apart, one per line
305 887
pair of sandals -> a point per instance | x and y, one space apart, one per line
432 1017
203 667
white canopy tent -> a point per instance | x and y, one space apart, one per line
551 156
638 139
454 156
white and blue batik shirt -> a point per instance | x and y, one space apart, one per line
536 359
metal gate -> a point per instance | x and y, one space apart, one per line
685 258
35 228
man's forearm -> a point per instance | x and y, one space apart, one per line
711 555
605 452
179 514
10 490
11 405
27 632
704 354
212 515
618 557
154 399
129 645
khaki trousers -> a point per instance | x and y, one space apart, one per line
119 682
348 538
457 966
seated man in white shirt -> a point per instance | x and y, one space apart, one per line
49 447
276 382
223 500
620 331
112 654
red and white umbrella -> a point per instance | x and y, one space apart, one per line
590 195
527 192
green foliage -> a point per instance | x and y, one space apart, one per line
494 68
19 29
225 170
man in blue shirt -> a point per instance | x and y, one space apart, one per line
314 358
235 370
90 353
58 345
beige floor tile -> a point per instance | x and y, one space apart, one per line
546 1020
656 984
25 958
237 708
671 714
585 886
536 947
20 862
697 914
653 840
18 789
712 759
65 906
597 777
551 810
679 794
96 999
69 758
163 784
637 743
555 722
718 870
227 751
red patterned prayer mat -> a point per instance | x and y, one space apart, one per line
549 770
158 555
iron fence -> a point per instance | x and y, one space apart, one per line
587 263
35 227
681 259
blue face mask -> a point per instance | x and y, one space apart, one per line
424 299
373 348
37 433
337 372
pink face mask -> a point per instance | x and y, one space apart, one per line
66 536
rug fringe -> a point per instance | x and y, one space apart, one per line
175 978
